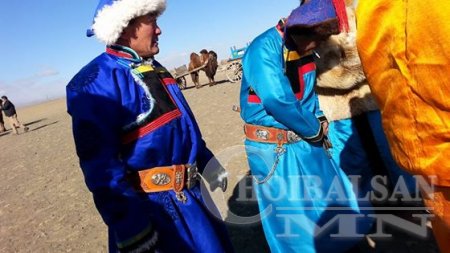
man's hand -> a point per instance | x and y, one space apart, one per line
325 127
216 175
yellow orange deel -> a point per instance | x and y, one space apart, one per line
405 51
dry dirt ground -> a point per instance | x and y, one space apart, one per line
45 206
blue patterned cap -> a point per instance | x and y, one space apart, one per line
321 17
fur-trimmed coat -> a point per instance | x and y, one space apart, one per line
341 85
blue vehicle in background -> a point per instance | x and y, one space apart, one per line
233 70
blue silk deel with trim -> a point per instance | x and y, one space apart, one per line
307 189
120 126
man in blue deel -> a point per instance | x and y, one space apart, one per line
139 146
302 195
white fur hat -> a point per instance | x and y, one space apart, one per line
112 16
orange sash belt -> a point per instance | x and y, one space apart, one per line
175 177
270 134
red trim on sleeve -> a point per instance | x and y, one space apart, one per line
254 99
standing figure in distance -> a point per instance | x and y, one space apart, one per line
10 112
2 122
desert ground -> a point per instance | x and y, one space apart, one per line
46 207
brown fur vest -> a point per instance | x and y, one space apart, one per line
341 85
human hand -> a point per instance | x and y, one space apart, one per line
222 181
325 127
216 175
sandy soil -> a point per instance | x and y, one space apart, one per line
45 206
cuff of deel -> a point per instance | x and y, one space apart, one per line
322 119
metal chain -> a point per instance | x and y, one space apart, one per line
279 151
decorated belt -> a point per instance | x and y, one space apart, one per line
175 177
270 134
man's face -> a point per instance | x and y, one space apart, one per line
305 43
142 35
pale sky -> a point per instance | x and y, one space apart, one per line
43 42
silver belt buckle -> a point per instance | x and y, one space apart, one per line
161 179
192 175
293 137
262 134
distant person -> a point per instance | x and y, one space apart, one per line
286 131
10 112
405 53
139 146
2 122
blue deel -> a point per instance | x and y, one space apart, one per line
307 191
103 99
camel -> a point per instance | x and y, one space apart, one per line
207 60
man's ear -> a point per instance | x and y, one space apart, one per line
129 31
126 35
